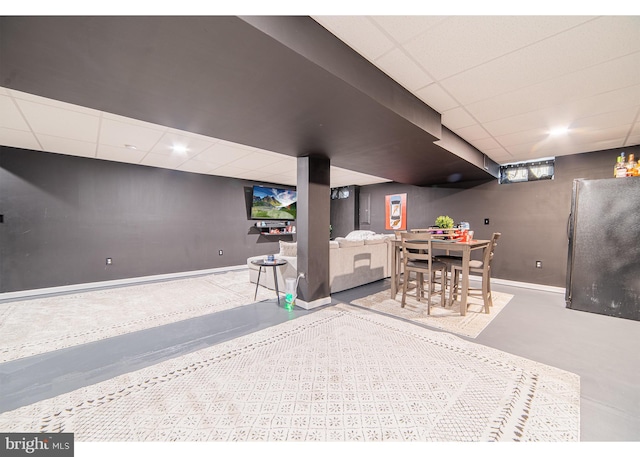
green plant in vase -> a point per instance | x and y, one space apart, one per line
444 222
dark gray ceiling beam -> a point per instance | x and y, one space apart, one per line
278 83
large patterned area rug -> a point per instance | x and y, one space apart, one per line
446 318
339 374
35 326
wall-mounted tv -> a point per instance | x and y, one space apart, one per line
273 203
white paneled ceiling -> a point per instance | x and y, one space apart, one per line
500 82
32 122
503 82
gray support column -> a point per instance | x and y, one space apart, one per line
313 231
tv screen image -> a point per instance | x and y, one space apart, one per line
273 203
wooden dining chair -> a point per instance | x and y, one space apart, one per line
476 266
417 258
399 266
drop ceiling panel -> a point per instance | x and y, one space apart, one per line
10 116
529 136
501 155
505 78
170 140
279 166
69 146
117 133
465 42
195 166
486 143
19 139
119 154
227 170
253 160
221 153
404 28
404 70
606 120
473 133
599 79
439 99
501 77
64 123
457 118
360 33
163 160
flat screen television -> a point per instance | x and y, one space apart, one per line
273 203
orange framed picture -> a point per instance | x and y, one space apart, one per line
396 212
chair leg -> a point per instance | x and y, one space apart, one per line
404 290
429 290
455 286
486 294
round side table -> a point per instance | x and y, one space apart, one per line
264 263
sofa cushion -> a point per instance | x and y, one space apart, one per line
375 239
334 244
346 243
288 249
360 234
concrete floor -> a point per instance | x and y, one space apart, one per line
536 325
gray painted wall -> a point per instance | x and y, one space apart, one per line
344 213
531 216
63 216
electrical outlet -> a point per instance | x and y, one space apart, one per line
220 252
538 263
109 261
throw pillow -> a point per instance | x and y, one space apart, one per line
360 235
288 249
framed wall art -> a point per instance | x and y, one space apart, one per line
396 212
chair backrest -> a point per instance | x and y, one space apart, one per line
399 233
416 246
488 253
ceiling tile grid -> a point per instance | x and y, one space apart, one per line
510 76
500 82
31 122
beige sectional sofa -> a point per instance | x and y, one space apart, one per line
359 258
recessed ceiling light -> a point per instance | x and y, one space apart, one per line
179 149
130 146
559 131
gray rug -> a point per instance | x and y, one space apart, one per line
36 326
339 374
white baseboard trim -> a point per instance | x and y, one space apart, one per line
142 279
524 285
314 304
112 283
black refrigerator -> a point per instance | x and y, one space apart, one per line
603 267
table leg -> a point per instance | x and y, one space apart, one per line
466 254
257 284
275 280
394 271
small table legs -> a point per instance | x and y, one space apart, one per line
275 281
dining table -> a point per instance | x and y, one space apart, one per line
447 245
